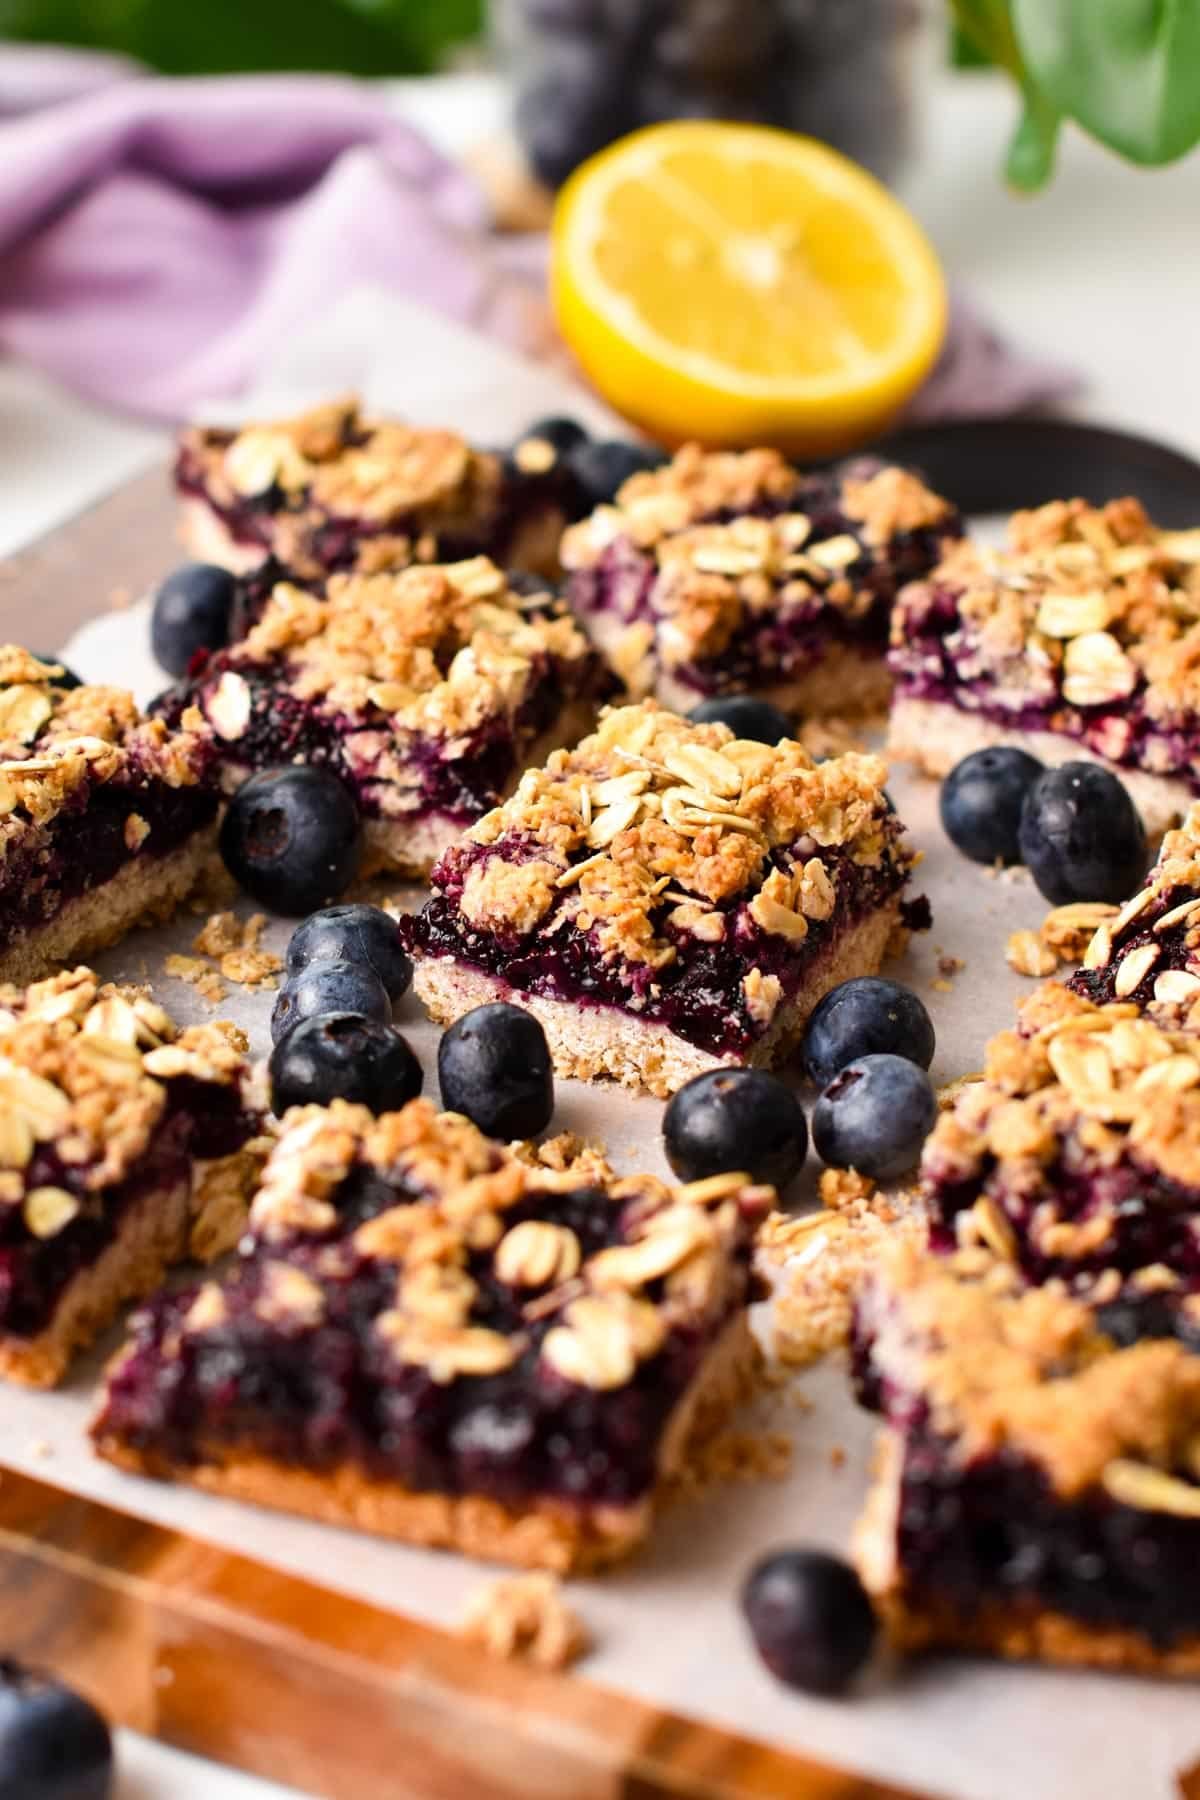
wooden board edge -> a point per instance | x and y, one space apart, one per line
281 1677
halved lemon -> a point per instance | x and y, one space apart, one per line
741 285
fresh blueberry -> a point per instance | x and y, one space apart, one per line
494 1066
355 934
874 1116
66 678
865 1017
192 611
54 1745
981 802
560 433
811 1619
1132 1317
342 987
342 1056
292 838
602 465
731 1119
757 720
1081 835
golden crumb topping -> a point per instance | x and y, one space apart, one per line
653 808
56 741
83 1065
1028 1370
430 650
1086 605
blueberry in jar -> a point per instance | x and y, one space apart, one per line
601 466
981 800
343 1056
292 838
1081 835
864 1017
353 933
494 1067
756 720
192 611
874 1117
54 1745
329 987
736 1119
811 1619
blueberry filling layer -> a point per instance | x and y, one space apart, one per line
994 1531
202 1120
321 1396
85 846
934 662
699 995
1173 952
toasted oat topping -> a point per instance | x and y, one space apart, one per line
653 809
56 742
1085 606
430 650
1091 1084
1026 1369
609 1311
83 1065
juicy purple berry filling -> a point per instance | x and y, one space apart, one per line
1099 985
699 996
321 1396
994 1530
934 661
87 847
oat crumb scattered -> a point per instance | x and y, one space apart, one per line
236 949
42 1448
841 1187
739 1456
200 975
837 1457
950 966
525 1618
1028 955
941 986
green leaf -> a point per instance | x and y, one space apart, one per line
1127 70
1030 161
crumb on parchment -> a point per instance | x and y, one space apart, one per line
525 1618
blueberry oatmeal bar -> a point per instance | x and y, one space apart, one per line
1037 1487
1079 640
427 691
428 1336
335 489
728 572
105 818
666 898
126 1145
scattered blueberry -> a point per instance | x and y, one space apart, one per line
342 987
292 838
874 1116
54 1745
736 1119
560 433
342 1056
1081 835
811 1619
602 464
494 1066
355 934
192 611
757 720
67 679
981 802
866 1017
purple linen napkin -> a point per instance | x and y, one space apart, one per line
159 238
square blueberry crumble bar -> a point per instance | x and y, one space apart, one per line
428 1336
427 691
126 1145
666 898
104 816
733 572
1081 639
1037 1488
335 489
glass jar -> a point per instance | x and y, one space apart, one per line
588 71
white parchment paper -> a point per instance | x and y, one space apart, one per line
667 1628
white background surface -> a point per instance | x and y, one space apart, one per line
1103 272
